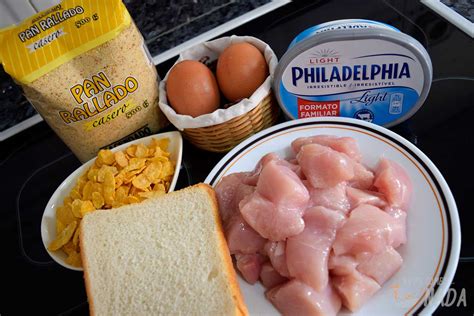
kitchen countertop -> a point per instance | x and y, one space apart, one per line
34 162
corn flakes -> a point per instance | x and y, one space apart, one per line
115 179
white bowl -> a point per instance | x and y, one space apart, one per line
434 237
48 222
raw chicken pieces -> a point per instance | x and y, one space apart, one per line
357 197
308 253
227 192
241 238
297 298
393 182
355 289
380 266
368 229
276 208
324 167
320 230
342 265
363 177
346 145
270 277
276 252
334 197
250 266
400 218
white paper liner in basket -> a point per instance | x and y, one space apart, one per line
213 49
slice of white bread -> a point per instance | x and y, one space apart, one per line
164 256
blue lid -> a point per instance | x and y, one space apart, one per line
353 68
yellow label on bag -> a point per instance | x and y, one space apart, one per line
52 37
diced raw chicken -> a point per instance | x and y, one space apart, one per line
276 252
368 229
297 298
241 192
355 289
267 158
307 253
227 190
249 266
357 197
241 238
282 186
276 209
270 277
400 218
346 145
255 209
251 178
271 222
380 266
293 161
286 223
363 177
341 265
393 181
293 165
333 198
296 168
324 167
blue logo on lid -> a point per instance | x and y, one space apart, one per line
364 115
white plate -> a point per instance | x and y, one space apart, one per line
434 237
48 222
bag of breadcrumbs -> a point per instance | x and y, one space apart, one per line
85 68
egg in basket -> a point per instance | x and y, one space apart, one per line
219 93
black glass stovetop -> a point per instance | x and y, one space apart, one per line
34 162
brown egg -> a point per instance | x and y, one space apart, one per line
192 89
241 69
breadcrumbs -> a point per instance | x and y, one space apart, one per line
76 118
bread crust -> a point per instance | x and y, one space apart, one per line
241 308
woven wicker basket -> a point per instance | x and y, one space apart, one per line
223 137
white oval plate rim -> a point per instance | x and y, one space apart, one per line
454 245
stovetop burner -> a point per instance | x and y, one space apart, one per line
30 201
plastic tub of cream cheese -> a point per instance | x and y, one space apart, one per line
353 68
